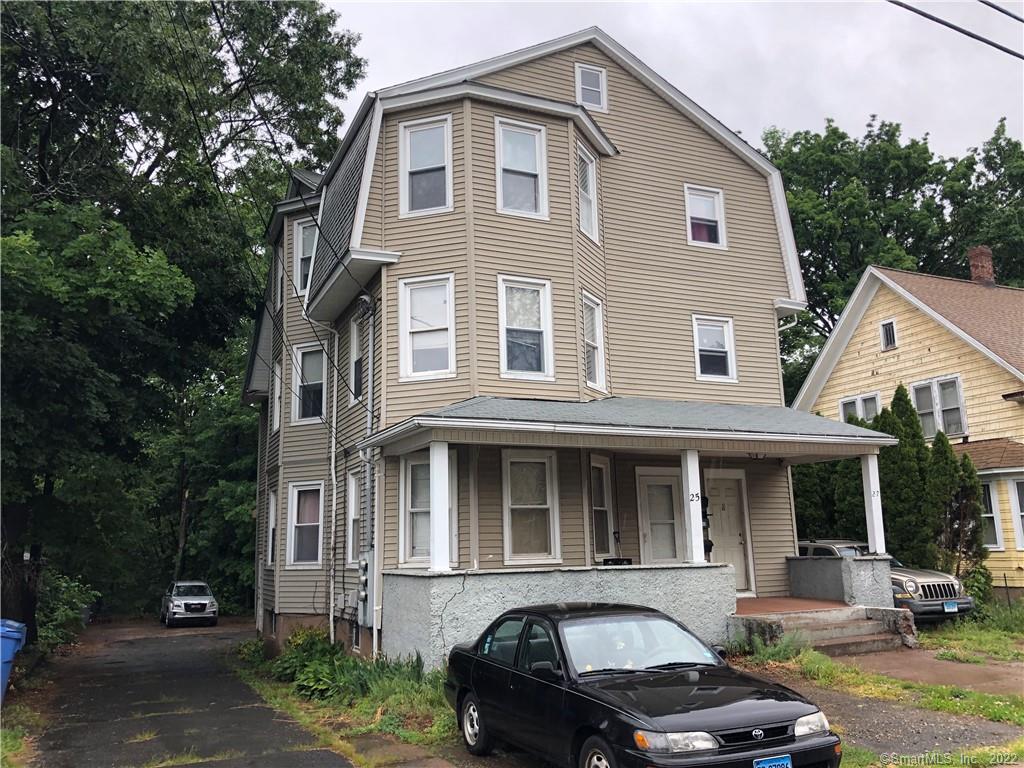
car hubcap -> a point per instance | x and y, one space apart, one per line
471 724
596 759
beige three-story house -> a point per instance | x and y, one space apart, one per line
521 345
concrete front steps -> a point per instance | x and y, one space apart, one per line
835 632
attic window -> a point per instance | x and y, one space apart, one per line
888 334
705 214
592 87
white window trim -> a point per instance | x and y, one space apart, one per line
271 525
278 374
403 166
858 400
297 352
550 459
405 336
604 87
352 504
937 406
542 167
606 465
278 275
997 518
547 326
730 344
881 335
1018 525
601 384
423 457
355 340
719 196
293 498
297 228
595 218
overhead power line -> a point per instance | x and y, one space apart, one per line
1000 8
961 30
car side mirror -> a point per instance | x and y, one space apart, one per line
545 670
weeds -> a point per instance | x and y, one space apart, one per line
994 634
789 646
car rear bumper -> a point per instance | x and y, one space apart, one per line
817 752
935 609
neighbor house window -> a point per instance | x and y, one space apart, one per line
524 307
278 276
530 506
586 180
305 242
305 516
1017 502
592 87
414 534
593 342
940 406
602 521
352 518
355 362
862 406
427 321
715 348
522 168
310 394
275 417
888 335
271 527
992 533
705 213
425 163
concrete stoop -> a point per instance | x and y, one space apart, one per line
834 632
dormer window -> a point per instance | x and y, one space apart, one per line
705 216
888 335
592 87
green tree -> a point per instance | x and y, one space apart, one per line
961 540
814 500
912 432
940 490
902 479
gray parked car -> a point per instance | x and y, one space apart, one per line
188 601
929 595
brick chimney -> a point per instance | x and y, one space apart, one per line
980 259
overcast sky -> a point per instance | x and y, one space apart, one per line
751 64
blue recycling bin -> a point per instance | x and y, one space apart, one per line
12 634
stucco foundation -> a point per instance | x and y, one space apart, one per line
428 613
853 580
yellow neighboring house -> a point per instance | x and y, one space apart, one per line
958 347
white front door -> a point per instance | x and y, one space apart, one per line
727 525
659 497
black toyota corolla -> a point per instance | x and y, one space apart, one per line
593 685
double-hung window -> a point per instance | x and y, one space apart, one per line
271 527
530 506
425 163
522 168
305 243
1017 505
414 531
714 348
310 394
862 406
887 334
592 87
278 275
524 308
705 214
427 323
586 182
940 406
992 534
276 404
601 516
355 361
305 517
593 342
352 519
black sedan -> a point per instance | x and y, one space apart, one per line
600 686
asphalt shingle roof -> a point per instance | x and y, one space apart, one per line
997 453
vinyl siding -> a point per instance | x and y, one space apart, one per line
1010 561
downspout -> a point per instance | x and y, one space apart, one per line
368 472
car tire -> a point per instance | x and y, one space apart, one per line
474 733
167 621
595 753
213 622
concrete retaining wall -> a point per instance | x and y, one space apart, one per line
429 612
852 580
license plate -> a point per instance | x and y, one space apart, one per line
949 606
782 761
194 607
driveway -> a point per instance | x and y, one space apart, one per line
139 695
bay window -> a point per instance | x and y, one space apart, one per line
586 182
305 242
530 506
601 517
425 166
414 526
427 324
524 308
522 168
593 342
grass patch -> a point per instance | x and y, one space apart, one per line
12 747
962 657
140 737
785 648
980 757
859 757
974 642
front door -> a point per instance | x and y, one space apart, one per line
727 525
661 517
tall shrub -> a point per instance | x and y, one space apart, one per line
940 491
961 543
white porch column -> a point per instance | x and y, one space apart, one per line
440 535
692 529
873 502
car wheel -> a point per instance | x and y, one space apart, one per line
596 753
213 622
167 621
474 732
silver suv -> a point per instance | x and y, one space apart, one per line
188 601
927 594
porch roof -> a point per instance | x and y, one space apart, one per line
636 417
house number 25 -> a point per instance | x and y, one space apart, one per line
694 497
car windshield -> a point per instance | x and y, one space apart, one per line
850 551
616 643
192 590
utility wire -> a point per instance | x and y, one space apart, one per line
1000 8
961 30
